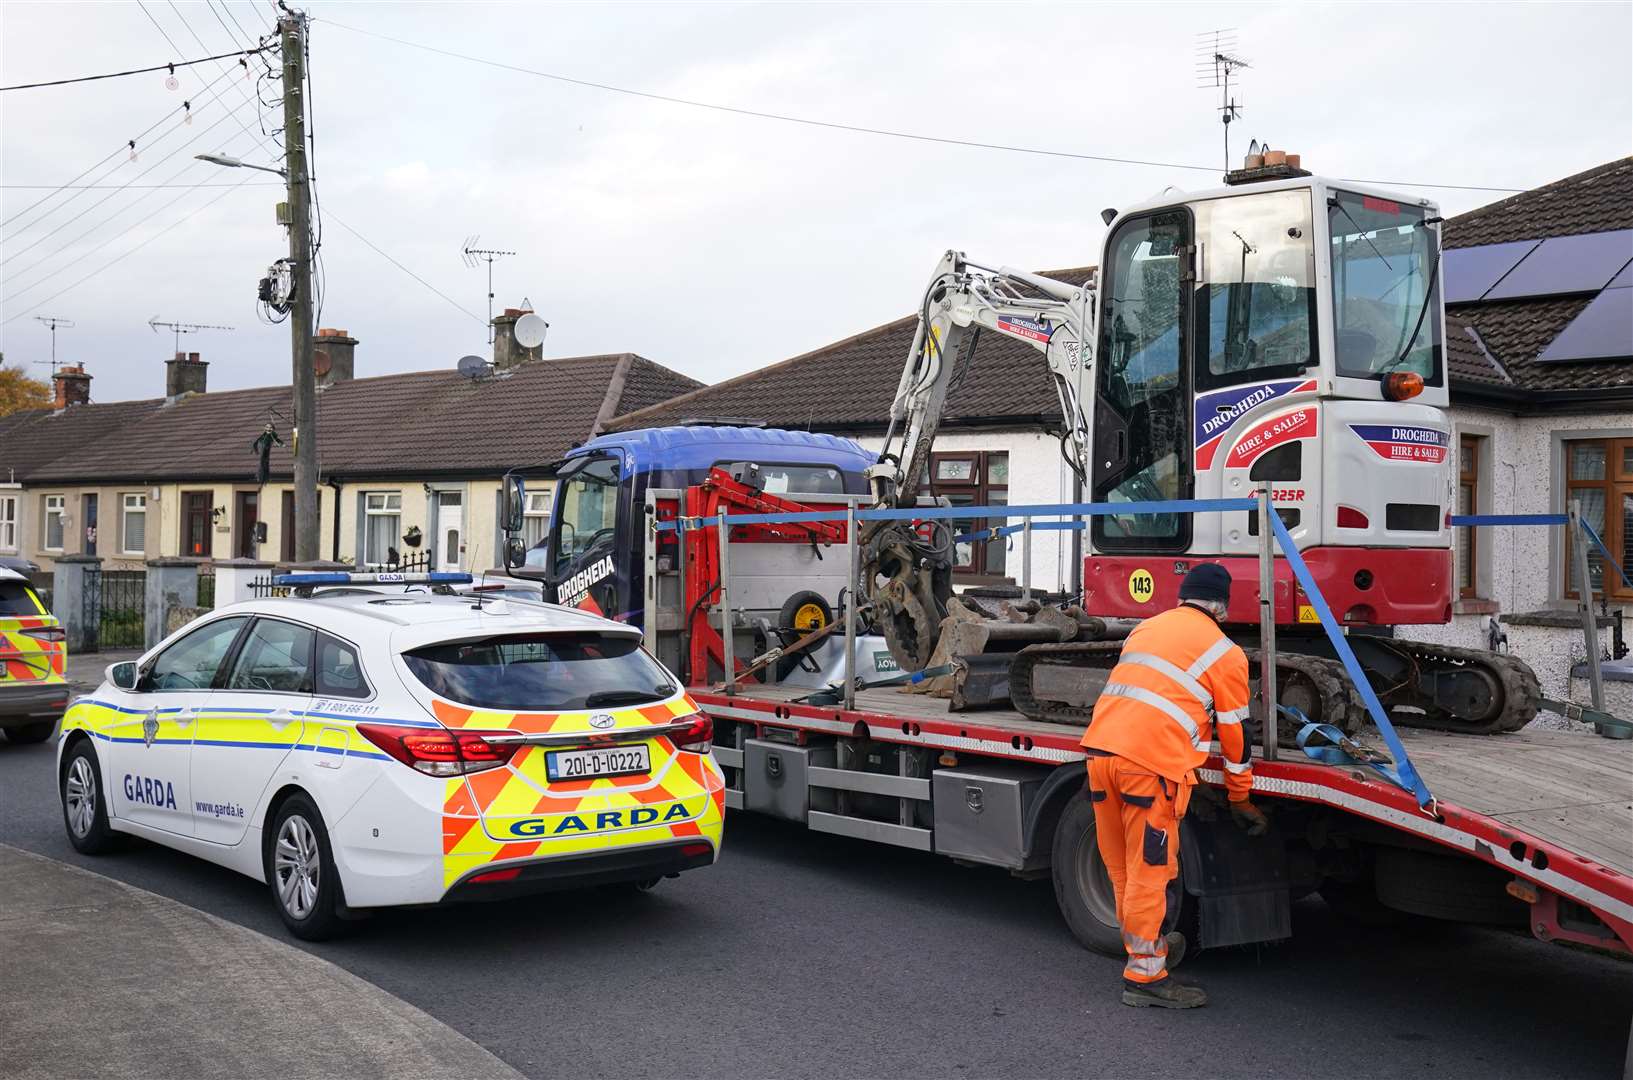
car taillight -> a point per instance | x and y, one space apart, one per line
47 633
1351 518
440 751
697 737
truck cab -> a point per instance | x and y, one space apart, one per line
612 490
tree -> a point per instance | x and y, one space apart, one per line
19 392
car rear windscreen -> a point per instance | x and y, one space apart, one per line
547 672
16 598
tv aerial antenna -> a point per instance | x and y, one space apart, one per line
52 322
1217 64
475 254
156 324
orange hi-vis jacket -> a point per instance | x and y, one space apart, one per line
1179 684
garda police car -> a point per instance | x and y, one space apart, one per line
355 746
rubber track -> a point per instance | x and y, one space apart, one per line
1521 693
1340 704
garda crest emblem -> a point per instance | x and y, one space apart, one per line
150 727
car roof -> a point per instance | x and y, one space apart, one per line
417 616
8 574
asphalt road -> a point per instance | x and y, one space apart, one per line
807 955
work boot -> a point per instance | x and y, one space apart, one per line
1176 949
1163 994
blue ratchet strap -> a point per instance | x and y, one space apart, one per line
1461 520
1605 551
1343 750
942 513
1403 762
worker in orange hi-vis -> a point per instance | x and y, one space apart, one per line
1179 684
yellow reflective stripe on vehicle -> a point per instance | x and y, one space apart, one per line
1156 701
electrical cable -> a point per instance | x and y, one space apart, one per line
121 187
125 255
173 45
104 199
856 128
172 66
405 269
185 107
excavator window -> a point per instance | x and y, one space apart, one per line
1142 411
1384 273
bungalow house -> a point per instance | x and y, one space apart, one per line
409 464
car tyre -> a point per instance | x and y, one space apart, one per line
31 733
84 808
300 870
1082 888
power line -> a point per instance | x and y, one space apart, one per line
856 128
403 268
122 187
114 262
201 45
171 67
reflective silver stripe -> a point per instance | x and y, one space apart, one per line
1233 716
1238 767
1208 659
1156 701
1173 671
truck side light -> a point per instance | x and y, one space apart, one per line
1351 518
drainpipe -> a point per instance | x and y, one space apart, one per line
334 541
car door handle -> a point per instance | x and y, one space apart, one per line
281 716
184 716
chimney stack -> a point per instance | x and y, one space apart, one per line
507 351
184 375
73 386
334 357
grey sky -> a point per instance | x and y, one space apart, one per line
708 242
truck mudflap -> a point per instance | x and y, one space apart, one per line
1239 883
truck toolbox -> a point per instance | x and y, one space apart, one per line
776 777
981 811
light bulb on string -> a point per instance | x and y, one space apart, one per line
170 80
187 107
133 149
244 63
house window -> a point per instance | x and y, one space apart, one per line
8 523
56 507
1470 450
536 518
973 478
1599 477
133 526
382 522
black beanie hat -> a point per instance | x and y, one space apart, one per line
1209 581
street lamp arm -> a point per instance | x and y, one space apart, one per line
234 163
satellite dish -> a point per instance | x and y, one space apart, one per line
530 331
472 367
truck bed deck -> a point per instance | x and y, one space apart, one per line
1552 806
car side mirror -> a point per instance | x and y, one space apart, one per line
123 674
515 505
515 552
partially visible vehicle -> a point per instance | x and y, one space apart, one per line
33 662
356 746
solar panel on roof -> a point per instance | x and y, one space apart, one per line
1471 271
1603 331
1567 264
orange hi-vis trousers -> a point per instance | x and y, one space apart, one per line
1136 819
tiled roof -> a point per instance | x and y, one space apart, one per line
849 385
1467 358
1597 200
421 423
1516 331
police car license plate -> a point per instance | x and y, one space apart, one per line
584 764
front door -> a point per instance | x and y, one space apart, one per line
149 758
250 726
88 502
195 523
247 513
450 530
1142 393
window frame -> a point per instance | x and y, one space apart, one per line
1470 458
144 682
10 523
125 512
230 663
317 660
370 513
1615 485
60 512
981 490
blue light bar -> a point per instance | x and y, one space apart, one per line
343 577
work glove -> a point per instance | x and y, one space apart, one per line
1249 818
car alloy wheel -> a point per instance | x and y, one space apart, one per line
79 794
297 864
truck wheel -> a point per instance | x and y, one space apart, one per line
1082 888
806 611
1357 902
1446 887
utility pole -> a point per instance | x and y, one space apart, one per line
292 32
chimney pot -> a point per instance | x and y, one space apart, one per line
184 375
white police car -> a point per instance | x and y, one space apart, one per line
378 740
